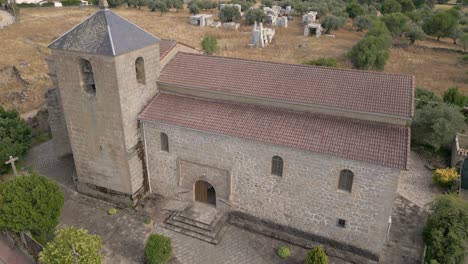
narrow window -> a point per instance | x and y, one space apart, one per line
277 166
341 223
346 180
164 142
88 77
140 70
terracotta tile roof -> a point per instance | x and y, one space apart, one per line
165 46
372 142
356 90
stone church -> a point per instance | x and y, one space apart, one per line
317 150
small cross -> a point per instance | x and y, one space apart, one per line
12 162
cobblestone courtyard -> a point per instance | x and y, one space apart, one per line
124 234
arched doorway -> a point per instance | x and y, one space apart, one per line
205 192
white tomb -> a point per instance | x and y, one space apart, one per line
313 29
201 20
260 36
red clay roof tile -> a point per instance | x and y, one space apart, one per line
366 91
377 143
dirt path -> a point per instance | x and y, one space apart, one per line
6 19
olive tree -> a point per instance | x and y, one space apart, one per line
229 14
362 23
332 22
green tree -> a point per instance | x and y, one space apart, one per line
160 5
194 9
455 97
114 3
445 233
370 52
327 62
456 33
407 5
354 9
229 14
379 28
332 22
316 256
435 125
60 250
30 203
209 44
253 15
425 97
390 6
15 137
440 24
396 23
362 23
415 32
176 4
158 249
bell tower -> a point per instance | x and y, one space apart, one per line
106 70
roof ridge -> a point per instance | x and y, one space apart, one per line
305 66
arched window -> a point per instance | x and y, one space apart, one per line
88 77
164 142
277 166
346 180
140 70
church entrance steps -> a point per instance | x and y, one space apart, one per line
200 221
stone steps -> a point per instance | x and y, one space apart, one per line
211 233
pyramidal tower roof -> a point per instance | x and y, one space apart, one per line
104 33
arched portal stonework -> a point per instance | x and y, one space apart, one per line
191 172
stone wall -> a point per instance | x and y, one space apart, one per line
58 126
304 198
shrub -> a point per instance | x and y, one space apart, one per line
445 233
370 52
253 15
229 14
112 211
60 250
158 249
30 203
354 9
445 177
283 252
425 97
327 62
464 58
15 137
455 97
362 22
70 2
209 44
194 9
316 256
435 125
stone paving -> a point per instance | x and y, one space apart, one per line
10 255
124 234
6 19
416 184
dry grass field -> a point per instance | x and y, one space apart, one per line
24 45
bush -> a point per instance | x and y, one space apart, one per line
370 52
444 178
253 15
112 211
30 203
60 250
435 125
15 137
229 14
70 2
362 22
425 97
194 9
316 256
283 252
354 9
209 44
327 62
455 97
445 233
158 249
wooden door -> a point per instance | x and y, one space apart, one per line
201 191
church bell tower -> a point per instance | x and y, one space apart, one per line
106 70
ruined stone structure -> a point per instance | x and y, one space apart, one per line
313 29
201 20
311 149
260 36
309 17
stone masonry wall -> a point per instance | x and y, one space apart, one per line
58 126
305 197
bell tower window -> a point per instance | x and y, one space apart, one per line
140 70
88 77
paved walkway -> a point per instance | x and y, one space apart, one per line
10 255
6 19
